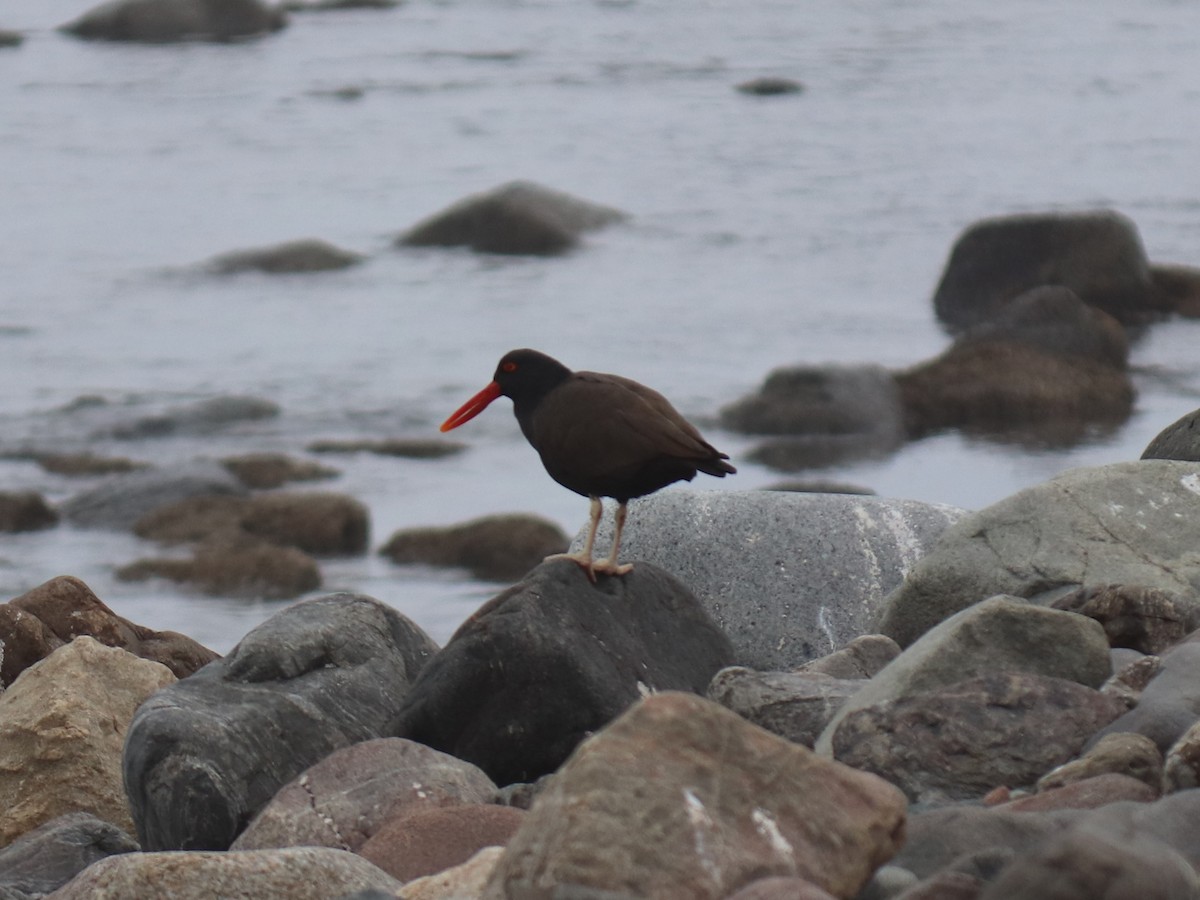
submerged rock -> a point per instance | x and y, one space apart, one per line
310 255
494 548
169 21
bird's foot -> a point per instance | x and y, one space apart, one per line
610 567
583 560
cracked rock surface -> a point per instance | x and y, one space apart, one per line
1133 523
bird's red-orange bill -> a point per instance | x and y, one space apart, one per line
472 407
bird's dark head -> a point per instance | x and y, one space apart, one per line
527 375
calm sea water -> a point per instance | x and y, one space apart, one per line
765 232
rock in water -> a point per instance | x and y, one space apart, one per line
680 798
554 658
204 756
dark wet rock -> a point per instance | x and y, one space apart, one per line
721 802
518 218
793 705
947 885
824 415
819 486
169 21
205 755
1001 634
1149 620
1098 255
770 86
345 799
1126 523
10 38
1087 793
253 569
120 500
292 257
1179 440
864 657
1170 703
1096 864
812 569
429 840
202 417
261 471
325 5
494 548
959 742
412 448
62 724
551 660
82 464
320 523
298 873
1179 286
1119 753
41 620
43 860
1047 368
25 511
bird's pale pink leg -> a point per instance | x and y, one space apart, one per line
584 557
610 566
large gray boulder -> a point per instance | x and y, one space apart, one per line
1134 523
789 577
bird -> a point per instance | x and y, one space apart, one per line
598 435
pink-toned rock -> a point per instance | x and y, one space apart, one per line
426 841
680 798
781 888
1090 793
348 796
464 882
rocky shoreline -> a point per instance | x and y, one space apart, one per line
1002 704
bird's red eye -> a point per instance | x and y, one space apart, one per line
509 367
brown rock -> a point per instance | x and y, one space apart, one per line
1149 620
247 568
1127 683
306 255
194 519
272 470
1181 770
426 841
863 657
62 728
681 798
322 524
948 885
42 619
1180 288
1123 753
78 464
793 705
781 888
25 511
297 873
960 741
1088 793
412 448
494 548
458 883
343 800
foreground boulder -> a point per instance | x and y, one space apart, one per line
821 416
298 873
721 803
1046 368
43 860
1179 440
493 548
789 577
345 799
1127 523
293 257
518 218
1098 255
168 21
60 737
204 756
41 620
547 662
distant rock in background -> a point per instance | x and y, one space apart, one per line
770 86
25 511
261 471
1098 255
309 255
302 6
413 448
519 218
85 464
494 548
10 38
171 21
202 417
120 500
